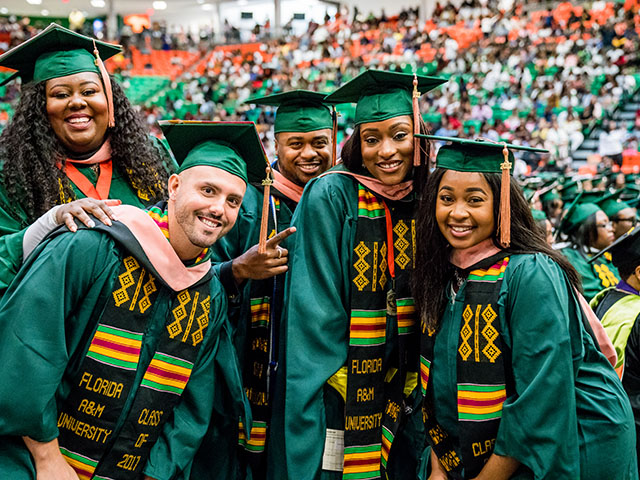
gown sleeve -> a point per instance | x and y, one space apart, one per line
13 223
43 317
539 421
182 434
316 318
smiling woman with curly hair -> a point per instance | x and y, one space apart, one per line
74 142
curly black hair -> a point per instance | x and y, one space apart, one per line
433 271
30 150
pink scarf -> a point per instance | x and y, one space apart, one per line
390 192
464 258
287 187
102 155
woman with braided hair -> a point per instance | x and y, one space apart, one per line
74 142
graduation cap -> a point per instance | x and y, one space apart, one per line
234 147
570 189
301 111
611 204
380 95
576 214
57 52
483 156
549 195
538 215
625 251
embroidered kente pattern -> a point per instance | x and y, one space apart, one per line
368 327
368 204
260 311
362 462
465 334
83 466
115 347
148 288
361 266
480 402
405 312
383 265
161 217
387 440
121 295
258 436
167 374
490 333
179 313
425 368
401 244
203 321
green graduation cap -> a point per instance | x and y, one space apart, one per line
466 155
570 190
611 204
577 213
624 251
231 146
56 52
298 111
549 195
538 215
381 95
483 156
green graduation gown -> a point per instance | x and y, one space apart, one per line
46 333
14 218
567 416
219 451
595 276
316 323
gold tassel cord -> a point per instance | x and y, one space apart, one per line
416 122
107 85
264 221
504 222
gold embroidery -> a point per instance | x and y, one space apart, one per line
413 241
465 333
179 313
374 270
490 333
148 288
383 265
132 307
607 278
191 315
476 336
203 321
121 295
401 244
361 266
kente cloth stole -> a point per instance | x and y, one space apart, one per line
382 261
160 214
480 369
108 374
603 273
261 354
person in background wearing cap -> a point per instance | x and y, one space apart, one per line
622 215
552 206
619 310
588 230
74 142
351 406
119 382
303 132
543 223
514 383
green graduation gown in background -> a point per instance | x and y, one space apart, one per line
566 415
316 322
14 218
596 276
220 451
47 319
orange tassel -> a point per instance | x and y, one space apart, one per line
264 221
416 122
504 222
334 138
107 85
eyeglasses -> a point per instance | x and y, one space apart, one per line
631 220
604 225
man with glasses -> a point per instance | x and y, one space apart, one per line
622 215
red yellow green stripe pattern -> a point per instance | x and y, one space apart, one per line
425 367
406 315
167 374
258 437
491 274
260 311
387 440
368 204
361 462
115 347
368 327
478 403
83 466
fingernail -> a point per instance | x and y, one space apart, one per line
108 222
91 224
73 228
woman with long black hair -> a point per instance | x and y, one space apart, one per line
351 346
73 142
514 383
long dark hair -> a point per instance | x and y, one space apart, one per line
29 151
433 271
585 235
352 155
